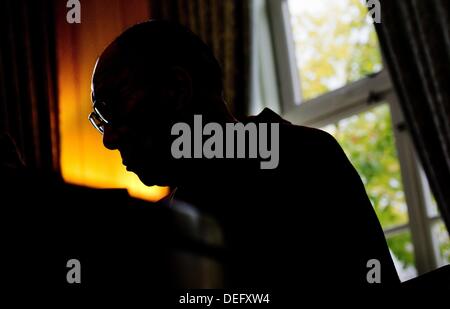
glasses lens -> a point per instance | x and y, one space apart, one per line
101 111
97 122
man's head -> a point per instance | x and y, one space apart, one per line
153 75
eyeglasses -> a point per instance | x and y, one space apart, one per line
97 118
101 115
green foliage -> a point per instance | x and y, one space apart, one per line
335 47
368 141
443 239
401 246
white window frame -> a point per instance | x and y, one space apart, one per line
352 99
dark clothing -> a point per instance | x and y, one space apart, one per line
308 221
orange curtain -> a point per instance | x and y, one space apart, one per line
84 160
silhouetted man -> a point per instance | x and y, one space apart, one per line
306 220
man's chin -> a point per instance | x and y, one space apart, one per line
153 180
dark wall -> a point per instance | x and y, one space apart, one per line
27 81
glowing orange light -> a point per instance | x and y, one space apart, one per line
84 160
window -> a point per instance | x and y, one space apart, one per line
331 76
441 242
367 139
334 44
439 235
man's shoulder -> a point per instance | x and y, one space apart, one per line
304 133
300 146
305 140
294 134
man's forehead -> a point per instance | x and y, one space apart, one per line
110 81
110 72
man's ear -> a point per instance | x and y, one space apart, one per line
180 88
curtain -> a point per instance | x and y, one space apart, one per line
84 159
415 39
223 25
27 81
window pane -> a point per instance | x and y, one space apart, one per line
334 43
430 202
439 233
368 141
432 209
442 242
402 252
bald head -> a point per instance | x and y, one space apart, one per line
149 50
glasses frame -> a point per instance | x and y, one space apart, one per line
96 118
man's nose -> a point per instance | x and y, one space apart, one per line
111 138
